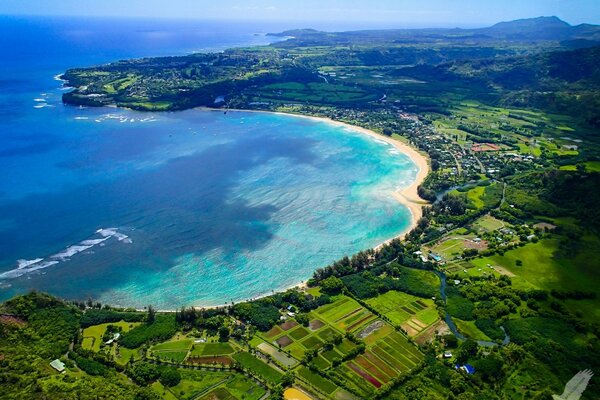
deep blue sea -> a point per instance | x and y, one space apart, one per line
172 209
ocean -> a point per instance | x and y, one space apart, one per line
179 208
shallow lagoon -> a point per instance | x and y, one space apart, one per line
172 208
207 207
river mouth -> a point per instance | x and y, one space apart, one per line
206 208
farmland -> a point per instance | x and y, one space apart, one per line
268 373
413 314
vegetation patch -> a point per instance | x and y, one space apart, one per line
317 381
258 367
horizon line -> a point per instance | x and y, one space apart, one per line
388 26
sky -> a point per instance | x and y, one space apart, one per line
356 13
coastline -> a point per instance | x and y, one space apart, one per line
407 196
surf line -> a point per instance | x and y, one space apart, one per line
101 235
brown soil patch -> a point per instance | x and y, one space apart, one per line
6 319
274 331
478 147
410 331
358 323
469 244
545 226
429 334
315 324
287 325
503 271
284 341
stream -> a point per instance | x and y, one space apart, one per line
451 323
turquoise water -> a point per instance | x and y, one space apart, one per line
186 208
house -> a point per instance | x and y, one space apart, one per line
435 257
114 338
58 365
468 368
447 354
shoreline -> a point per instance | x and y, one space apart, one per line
407 196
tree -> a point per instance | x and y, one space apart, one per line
490 367
143 373
151 315
170 377
302 319
450 340
287 380
467 350
332 285
223 334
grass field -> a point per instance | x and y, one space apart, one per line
488 223
345 314
316 381
211 349
541 269
258 367
219 393
163 392
452 247
590 166
92 336
469 329
174 351
194 382
245 388
412 313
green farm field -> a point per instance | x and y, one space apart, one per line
258 367
397 306
92 336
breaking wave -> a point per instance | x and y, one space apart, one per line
27 266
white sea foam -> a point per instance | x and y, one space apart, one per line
93 242
28 266
39 100
17 272
26 263
81 118
69 252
